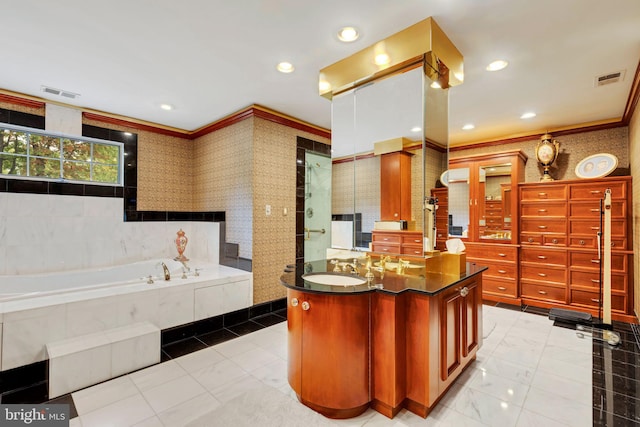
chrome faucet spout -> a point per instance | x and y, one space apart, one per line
167 275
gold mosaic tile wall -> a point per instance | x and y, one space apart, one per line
573 148
222 164
22 108
274 184
634 155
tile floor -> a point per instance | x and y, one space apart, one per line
527 373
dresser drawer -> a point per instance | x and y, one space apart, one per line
596 191
592 226
386 238
591 279
381 247
592 299
539 225
543 192
590 260
500 270
499 287
412 250
542 292
544 256
591 242
492 205
544 209
543 239
492 252
591 209
544 273
412 239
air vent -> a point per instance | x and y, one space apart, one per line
60 92
610 78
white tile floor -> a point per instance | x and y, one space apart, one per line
528 373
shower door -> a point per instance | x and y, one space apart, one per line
317 206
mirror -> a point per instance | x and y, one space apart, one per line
403 108
459 196
495 213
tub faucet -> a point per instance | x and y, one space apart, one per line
167 275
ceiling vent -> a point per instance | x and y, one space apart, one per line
60 92
610 78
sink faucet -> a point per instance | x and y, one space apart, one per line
402 264
167 275
353 266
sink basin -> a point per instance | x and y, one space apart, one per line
334 279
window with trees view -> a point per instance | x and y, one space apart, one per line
26 152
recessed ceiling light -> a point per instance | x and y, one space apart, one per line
468 126
166 107
416 129
382 59
285 67
528 115
497 65
348 34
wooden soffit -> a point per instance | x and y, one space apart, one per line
423 44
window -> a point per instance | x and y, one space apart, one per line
26 152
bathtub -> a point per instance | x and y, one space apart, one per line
43 308
35 285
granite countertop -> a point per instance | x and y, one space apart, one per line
415 279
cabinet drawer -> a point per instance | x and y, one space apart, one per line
501 271
544 192
591 209
539 225
542 292
590 260
591 279
544 256
492 252
592 226
412 239
386 238
543 239
499 287
381 247
596 191
591 299
544 209
591 242
543 273
412 250
493 205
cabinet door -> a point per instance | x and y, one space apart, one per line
294 330
450 333
471 299
395 186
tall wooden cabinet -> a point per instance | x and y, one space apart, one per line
442 216
559 225
395 186
488 217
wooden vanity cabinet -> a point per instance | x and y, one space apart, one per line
395 186
399 242
559 225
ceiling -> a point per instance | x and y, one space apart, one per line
211 58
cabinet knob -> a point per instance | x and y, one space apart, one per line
542 292
502 255
502 288
542 257
581 242
530 240
595 300
294 302
554 241
542 227
305 306
395 214
464 291
502 271
542 275
595 281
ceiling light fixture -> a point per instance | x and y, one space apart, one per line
348 34
166 107
436 85
497 65
285 67
528 115
468 126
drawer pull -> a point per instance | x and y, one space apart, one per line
554 241
542 227
416 240
582 242
542 210
542 194
502 288
542 275
385 250
595 228
595 281
542 292
595 261
613 244
595 191
385 239
530 240
502 271
502 255
595 300
416 252
595 210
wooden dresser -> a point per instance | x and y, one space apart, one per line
397 242
559 225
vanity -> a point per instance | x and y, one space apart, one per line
392 342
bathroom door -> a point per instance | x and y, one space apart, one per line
317 206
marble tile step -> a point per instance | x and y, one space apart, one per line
82 361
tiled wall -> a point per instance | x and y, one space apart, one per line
573 148
634 155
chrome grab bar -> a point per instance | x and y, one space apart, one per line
309 231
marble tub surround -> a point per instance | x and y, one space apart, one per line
29 324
